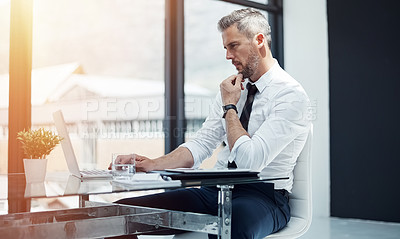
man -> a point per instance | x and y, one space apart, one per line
260 114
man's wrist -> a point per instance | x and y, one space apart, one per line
228 107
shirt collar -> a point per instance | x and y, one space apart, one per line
266 79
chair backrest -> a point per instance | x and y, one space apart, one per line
300 199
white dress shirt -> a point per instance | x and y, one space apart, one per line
278 129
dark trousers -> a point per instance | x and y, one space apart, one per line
257 209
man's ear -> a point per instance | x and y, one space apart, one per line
260 40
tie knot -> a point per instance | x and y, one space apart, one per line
251 88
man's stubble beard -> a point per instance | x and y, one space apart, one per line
252 64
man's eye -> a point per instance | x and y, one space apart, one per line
233 46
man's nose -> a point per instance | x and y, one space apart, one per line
229 55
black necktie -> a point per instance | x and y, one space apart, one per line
245 116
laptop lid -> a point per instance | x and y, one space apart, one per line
189 174
66 144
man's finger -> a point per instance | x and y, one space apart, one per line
231 79
238 80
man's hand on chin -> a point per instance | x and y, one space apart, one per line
230 89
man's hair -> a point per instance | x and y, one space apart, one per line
249 22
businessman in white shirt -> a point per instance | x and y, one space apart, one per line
261 115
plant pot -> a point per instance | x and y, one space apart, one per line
35 170
35 190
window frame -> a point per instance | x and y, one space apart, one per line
19 109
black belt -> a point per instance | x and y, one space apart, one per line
283 192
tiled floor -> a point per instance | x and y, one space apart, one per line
331 228
337 228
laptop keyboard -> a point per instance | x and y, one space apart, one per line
94 172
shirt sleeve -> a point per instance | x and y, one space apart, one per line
286 119
211 134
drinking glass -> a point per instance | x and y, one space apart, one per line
123 170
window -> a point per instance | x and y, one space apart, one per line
103 65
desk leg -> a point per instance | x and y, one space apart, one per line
83 199
225 210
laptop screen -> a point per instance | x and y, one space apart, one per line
66 143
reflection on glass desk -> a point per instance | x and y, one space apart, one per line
94 220
63 184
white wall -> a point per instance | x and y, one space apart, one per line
306 59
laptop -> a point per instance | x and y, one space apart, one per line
69 153
189 174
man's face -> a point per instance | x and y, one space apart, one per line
241 51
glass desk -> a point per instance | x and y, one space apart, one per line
97 220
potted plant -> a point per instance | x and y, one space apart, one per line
37 145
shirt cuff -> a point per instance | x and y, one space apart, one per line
241 140
192 148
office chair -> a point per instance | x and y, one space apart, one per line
300 200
